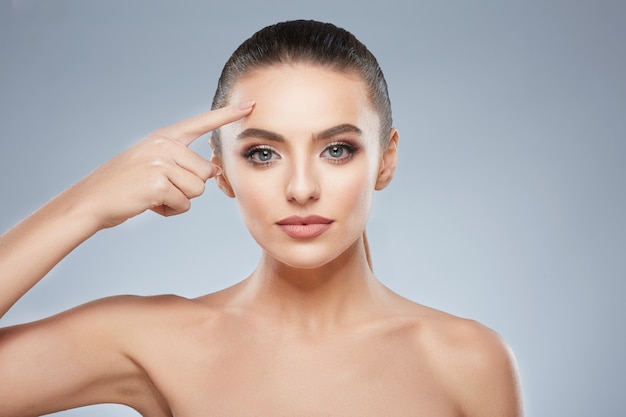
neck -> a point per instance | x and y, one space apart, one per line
317 298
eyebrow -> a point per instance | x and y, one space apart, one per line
276 137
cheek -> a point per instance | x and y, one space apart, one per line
258 193
353 191
253 191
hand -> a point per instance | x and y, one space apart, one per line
159 173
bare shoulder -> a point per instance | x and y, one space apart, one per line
168 319
89 356
113 313
473 362
127 324
125 310
157 313
462 338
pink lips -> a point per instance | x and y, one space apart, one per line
304 227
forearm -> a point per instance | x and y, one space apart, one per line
33 247
159 173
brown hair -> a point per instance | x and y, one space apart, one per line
307 41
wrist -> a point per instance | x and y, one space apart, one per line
78 214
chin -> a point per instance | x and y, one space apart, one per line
307 262
309 257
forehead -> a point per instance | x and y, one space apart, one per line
301 99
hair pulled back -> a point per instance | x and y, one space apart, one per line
307 42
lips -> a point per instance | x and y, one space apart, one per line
299 227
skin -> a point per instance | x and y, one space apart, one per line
310 332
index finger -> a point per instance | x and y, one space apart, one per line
188 130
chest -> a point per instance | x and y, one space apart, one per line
244 378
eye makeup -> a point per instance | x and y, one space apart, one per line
260 155
339 152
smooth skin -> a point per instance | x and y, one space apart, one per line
311 332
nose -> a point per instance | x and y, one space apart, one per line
303 183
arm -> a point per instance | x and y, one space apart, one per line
160 173
80 357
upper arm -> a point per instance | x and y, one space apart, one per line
73 359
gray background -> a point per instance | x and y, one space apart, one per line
508 205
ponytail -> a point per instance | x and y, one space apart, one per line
367 251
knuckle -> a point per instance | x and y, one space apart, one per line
162 144
160 185
192 188
198 189
183 206
205 173
160 141
157 162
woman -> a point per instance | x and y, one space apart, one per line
302 138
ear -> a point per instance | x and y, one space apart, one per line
221 179
388 161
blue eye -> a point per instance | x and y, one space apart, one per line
339 152
260 155
263 155
336 151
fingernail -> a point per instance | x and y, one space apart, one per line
246 105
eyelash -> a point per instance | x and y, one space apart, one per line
347 147
250 154
255 150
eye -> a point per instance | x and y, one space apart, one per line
336 151
339 152
260 155
263 155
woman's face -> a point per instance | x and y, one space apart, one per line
304 164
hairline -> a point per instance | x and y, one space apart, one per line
296 61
